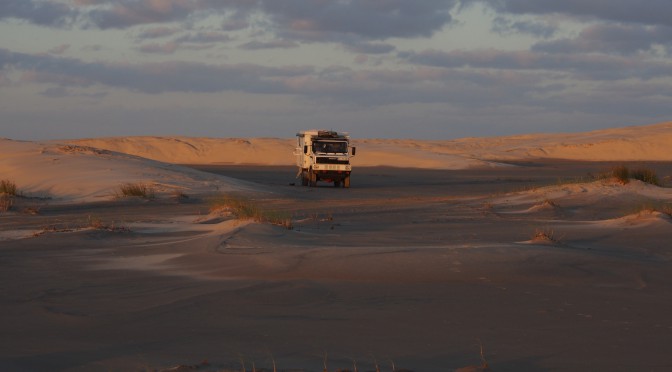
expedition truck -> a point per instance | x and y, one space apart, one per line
324 155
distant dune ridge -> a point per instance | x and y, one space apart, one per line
90 169
650 142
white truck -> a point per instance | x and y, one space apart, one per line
324 155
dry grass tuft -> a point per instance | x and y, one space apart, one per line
8 187
664 208
6 202
550 203
621 173
246 209
545 235
135 190
645 175
179 196
98 224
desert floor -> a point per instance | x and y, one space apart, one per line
418 267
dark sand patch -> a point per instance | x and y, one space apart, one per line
403 267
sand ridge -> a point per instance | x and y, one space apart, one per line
649 142
66 172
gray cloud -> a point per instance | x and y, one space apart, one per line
305 20
46 13
153 78
126 13
652 12
611 38
371 48
204 37
591 66
59 49
157 32
376 20
273 44
504 25
169 47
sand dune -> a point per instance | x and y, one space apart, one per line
90 169
622 144
82 173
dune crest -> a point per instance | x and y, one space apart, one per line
83 173
635 143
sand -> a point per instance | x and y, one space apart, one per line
647 143
420 267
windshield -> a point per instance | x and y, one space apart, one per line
330 147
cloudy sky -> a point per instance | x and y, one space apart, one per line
427 69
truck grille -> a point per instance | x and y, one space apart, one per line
330 161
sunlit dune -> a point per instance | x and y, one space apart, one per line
90 169
621 144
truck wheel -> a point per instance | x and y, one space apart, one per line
304 178
346 182
313 179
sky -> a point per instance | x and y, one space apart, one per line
424 69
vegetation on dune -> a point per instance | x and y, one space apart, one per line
623 174
135 190
6 202
545 235
7 194
246 209
7 187
645 175
657 206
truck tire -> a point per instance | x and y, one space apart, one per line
313 179
346 182
304 178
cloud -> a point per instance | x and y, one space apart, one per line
59 49
204 37
480 81
126 13
61 91
235 24
504 25
55 92
625 39
45 13
159 48
653 12
191 41
592 66
370 20
153 78
157 32
273 44
305 20
371 48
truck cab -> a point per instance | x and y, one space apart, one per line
324 156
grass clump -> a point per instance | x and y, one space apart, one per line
8 187
6 202
7 194
135 190
246 209
664 208
645 175
545 235
621 173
